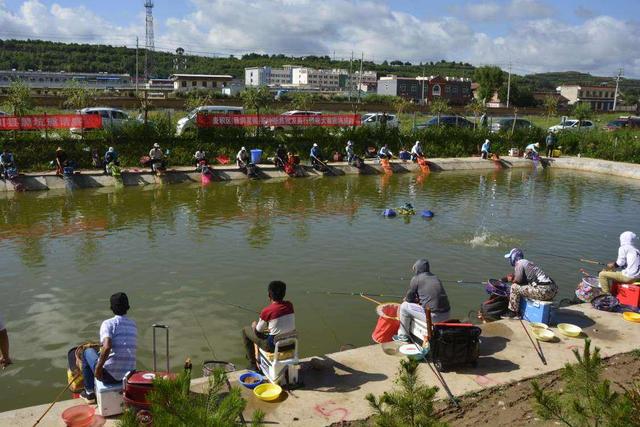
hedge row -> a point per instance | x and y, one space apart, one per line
34 152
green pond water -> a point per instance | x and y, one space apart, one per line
179 250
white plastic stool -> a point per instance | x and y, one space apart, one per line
281 371
108 398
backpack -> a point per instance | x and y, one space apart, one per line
606 303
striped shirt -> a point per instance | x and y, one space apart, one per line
277 318
124 335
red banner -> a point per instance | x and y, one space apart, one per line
53 121
267 120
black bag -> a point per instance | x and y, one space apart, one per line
454 344
493 308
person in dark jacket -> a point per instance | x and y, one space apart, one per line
425 291
281 156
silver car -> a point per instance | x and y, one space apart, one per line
112 118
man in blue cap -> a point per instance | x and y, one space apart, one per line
528 281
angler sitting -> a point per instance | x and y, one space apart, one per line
425 291
156 157
200 159
118 337
7 162
528 281
242 159
416 151
275 319
316 157
281 156
628 258
385 153
111 156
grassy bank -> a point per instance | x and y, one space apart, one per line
35 150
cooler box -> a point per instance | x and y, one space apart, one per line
514 152
533 310
627 294
109 398
255 156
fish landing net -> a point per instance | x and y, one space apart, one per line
388 322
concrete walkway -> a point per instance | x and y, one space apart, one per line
335 385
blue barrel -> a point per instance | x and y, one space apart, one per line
389 213
427 214
256 154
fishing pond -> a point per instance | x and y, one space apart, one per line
199 259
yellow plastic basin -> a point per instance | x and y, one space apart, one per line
539 325
569 330
542 334
630 316
267 392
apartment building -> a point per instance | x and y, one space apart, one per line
61 80
188 82
599 97
456 90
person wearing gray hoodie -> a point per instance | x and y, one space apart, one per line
425 291
628 259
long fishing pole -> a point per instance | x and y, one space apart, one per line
538 351
236 306
57 398
588 261
462 282
355 294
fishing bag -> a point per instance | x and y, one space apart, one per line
588 289
606 303
74 366
493 308
454 344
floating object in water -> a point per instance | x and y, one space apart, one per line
414 352
407 209
543 334
569 330
389 213
267 392
630 316
79 416
251 380
427 214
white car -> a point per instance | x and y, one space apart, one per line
189 122
573 124
377 119
2 113
111 117
297 113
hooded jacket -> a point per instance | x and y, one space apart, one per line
426 289
628 255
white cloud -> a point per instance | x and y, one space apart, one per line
507 10
533 39
33 19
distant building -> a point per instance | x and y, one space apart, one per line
42 80
267 76
457 91
311 79
599 97
188 82
561 102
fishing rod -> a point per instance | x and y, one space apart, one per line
355 294
538 351
462 282
588 261
58 398
236 306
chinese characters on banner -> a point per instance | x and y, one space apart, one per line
267 120
55 121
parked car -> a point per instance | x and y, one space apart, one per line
454 121
623 122
508 123
573 124
111 117
376 119
296 113
189 122
2 113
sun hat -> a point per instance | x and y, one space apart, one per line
514 255
156 145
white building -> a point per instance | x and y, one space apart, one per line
267 76
323 79
61 80
600 98
188 82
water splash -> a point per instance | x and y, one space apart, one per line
485 239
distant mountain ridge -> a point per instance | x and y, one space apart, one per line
73 57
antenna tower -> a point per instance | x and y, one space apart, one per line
149 42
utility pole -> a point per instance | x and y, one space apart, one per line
137 46
615 96
509 85
422 101
360 77
350 75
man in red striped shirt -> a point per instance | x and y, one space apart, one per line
275 319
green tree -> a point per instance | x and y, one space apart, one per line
550 104
582 111
476 108
438 107
519 96
173 405
490 79
197 98
78 96
400 105
19 100
256 98
301 101
586 399
409 406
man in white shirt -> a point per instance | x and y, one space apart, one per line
628 259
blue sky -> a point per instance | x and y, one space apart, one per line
534 35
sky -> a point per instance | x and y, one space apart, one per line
598 37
